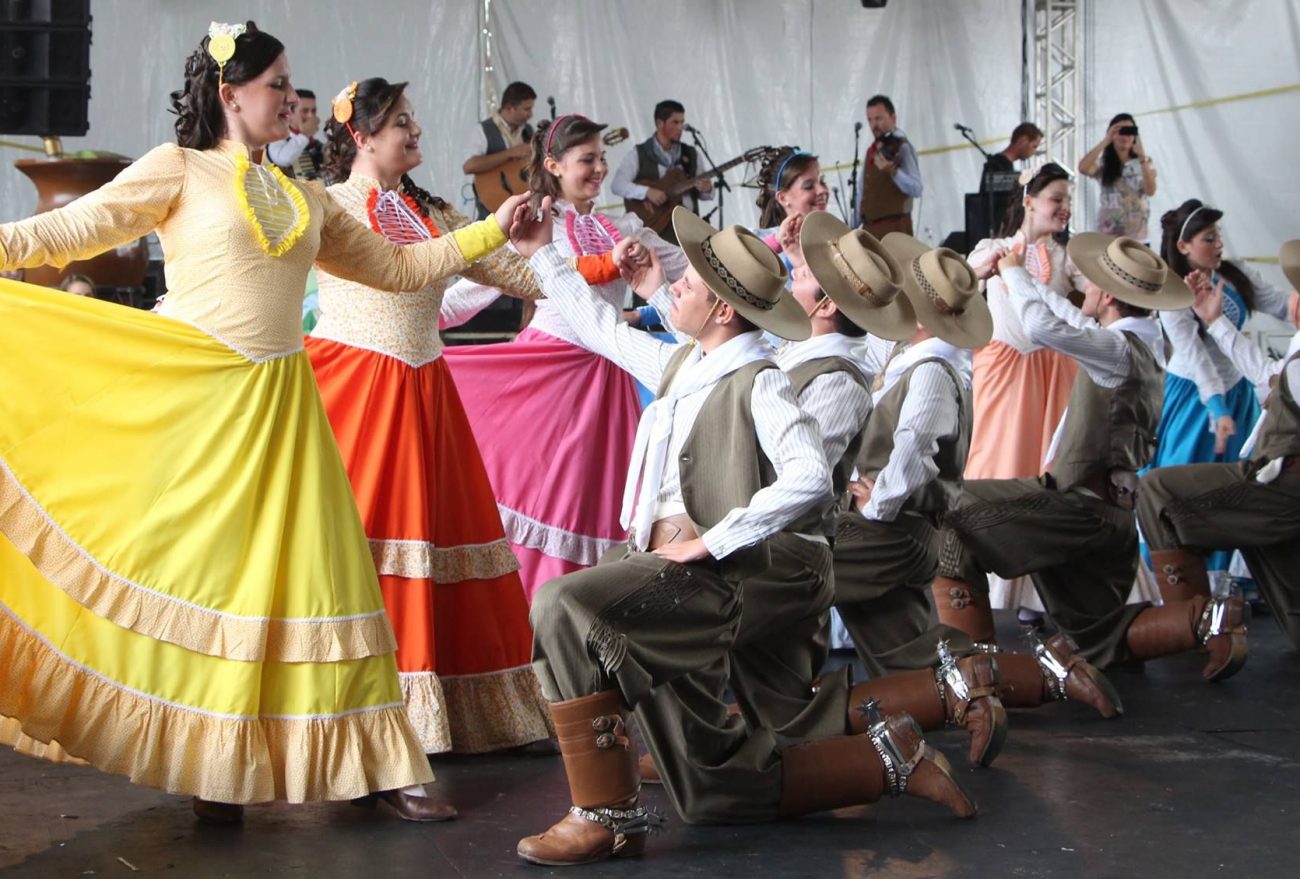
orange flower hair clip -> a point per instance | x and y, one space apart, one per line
343 107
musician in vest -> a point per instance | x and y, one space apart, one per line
1253 505
1073 529
725 459
657 156
505 135
891 176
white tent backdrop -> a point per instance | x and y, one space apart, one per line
757 72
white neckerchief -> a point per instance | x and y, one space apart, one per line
928 349
1145 328
830 345
655 430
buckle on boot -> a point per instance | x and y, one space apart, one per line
1053 671
623 822
610 732
898 769
1216 615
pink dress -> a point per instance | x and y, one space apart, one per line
1019 390
554 422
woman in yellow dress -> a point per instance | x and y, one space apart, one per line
187 597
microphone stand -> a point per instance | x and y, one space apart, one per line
853 179
720 184
970 138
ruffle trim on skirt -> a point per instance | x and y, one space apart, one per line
474 714
11 733
421 560
552 541
140 609
226 758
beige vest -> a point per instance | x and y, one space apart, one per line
941 493
1110 429
881 196
1280 435
801 377
722 465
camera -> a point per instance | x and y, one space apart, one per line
1130 130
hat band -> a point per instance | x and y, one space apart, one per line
932 294
1149 286
860 287
730 280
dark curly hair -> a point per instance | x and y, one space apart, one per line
572 130
770 211
200 122
1015 215
371 108
1184 223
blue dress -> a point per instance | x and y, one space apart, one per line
1184 435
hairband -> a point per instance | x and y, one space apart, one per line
221 45
343 107
776 181
550 134
1182 234
1028 174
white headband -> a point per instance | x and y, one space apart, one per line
1183 233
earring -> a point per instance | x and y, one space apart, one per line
235 107
370 148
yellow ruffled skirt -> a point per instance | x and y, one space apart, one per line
187 597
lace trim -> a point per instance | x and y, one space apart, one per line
400 236
418 559
302 213
475 714
555 542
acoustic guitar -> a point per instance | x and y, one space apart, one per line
495 186
675 184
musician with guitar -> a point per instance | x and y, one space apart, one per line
662 171
504 140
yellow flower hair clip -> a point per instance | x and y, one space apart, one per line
343 103
221 45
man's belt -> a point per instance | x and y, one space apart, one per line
672 529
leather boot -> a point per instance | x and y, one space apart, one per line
408 807
959 692
649 771
964 609
1055 672
605 819
212 812
1217 623
890 758
1180 574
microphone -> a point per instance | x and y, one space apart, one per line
550 102
857 127
691 128
962 128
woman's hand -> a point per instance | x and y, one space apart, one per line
1209 297
529 230
788 236
646 277
1224 428
631 254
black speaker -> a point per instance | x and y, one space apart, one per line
45 67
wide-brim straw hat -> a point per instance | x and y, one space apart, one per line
943 290
1129 270
856 273
743 272
1289 257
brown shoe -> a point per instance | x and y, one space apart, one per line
605 820
964 609
1180 575
408 807
960 692
649 771
211 812
891 758
1070 676
1222 629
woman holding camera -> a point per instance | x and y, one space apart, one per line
1121 164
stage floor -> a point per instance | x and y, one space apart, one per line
1195 780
